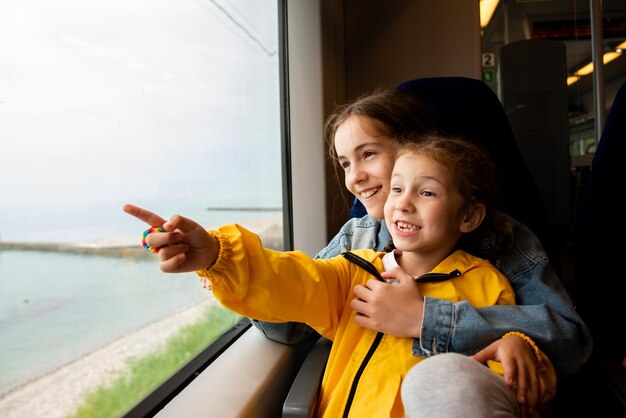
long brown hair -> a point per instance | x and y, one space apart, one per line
390 113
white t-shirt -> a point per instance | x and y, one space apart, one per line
390 261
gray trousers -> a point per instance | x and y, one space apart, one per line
453 385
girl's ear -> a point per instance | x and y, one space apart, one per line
473 218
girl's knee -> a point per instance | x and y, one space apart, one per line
447 384
449 369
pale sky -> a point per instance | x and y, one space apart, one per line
138 98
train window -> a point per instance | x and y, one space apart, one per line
173 106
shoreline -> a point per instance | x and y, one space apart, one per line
89 249
58 392
269 231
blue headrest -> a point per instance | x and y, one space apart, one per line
607 172
600 215
600 232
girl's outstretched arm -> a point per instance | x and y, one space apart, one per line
184 245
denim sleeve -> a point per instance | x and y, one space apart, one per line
544 312
357 233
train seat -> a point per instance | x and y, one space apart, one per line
600 230
599 245
464 107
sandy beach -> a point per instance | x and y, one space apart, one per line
57 393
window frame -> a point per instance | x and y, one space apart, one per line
162 395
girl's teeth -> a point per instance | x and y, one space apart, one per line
405 227
369 193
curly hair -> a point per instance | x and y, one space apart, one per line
475 179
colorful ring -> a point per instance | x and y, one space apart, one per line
145 234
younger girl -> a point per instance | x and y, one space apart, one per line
439 193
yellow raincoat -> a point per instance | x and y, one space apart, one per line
290 286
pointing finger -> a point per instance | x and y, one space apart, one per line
144 215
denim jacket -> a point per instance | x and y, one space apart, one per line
544 310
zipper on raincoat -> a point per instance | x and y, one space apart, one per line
369 267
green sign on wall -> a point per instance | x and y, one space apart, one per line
488 76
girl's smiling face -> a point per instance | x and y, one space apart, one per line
367 160
424 211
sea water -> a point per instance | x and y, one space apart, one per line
56 307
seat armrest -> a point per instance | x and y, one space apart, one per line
301 399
